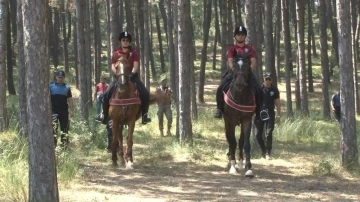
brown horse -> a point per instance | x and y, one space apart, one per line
239 109
125 109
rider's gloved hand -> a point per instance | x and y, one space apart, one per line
132 75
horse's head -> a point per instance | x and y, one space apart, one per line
122 69
241 72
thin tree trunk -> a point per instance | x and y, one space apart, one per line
324 59
269 46
158 30
76 56
259 37
309 56
287 54
23 120
300 11
9 60
277 39
206 28
3 39
65 42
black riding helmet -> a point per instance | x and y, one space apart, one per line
267 75
125 35
240 30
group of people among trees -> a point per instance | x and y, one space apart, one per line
267 95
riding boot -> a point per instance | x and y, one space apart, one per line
104 116
145 119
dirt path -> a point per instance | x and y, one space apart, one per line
275 180
288 177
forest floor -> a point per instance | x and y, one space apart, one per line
289 176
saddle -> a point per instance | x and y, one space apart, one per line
123 102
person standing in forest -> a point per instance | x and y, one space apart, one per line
164 94
336 105
271 99
247 52
100 88
62 105
133 58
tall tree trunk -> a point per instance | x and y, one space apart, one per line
334 32
277 39
206 28
158 30
97 42
121 15
114 26
76 56
217 34
250 21
324 59
354 22
259 37
171 50
9 53
147 46
309 56
287 54
23 120
65 42
164 18
193 104
300 11
269 46
88 54
129 17
141 36
356 53
185 129
82 74
348 140
42 165
224 41
3 39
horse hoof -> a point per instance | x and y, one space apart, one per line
232 170
249 173
129 166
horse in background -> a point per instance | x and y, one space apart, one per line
239 109
125 109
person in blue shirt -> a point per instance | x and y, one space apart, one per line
336 106
61 105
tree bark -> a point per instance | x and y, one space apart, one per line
3 39
269 41
23 120
82 70
158 30
348 139
300 11
206 28
287 54
9 54
65 42
185 127
259 37
309 56
324 59
42 166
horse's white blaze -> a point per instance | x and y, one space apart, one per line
240 63
122 72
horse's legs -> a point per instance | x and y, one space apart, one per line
114 142
129 138
246 132
241 148
121 145
230 137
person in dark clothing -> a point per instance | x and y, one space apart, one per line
336 105
271 99
247 52
133 57
62 105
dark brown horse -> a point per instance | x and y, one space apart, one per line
239 109
125 109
